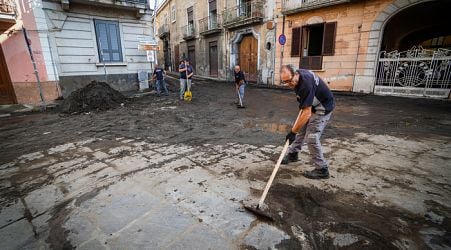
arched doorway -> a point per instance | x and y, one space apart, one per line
248 57
415 57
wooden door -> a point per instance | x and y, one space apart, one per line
248 57
7 95
192 56
176 56
213 58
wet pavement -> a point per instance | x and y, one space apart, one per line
159 173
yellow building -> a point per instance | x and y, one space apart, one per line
395 47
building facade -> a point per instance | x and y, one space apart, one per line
388 47
18 79
75 42
216 35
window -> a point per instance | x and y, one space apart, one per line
189 13
312 42
190 27
173 13
213 14
108 41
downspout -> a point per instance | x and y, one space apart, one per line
357 57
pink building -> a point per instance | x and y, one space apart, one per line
73 43
18 80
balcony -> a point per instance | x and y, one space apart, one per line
189 32
296 6
210 25
7 14
243 14
139 6
163 30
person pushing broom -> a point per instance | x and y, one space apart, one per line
316 103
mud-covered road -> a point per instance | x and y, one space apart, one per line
162 173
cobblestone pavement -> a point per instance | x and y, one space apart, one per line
163 174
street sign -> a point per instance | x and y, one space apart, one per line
282 39
150 56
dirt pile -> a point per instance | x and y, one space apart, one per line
95 96
321 220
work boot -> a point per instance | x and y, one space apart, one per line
317 174
290 157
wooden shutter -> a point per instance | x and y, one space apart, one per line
190 14
296 41
329 38
212 5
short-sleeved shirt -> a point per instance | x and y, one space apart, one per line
182 74
312 91
159 73
239 76
189 70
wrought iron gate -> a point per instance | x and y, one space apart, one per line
416 72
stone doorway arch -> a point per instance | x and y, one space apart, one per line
235 49
407 69
365 79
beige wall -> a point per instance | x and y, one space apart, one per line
359 31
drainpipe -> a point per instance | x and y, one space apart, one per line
36 73
357 57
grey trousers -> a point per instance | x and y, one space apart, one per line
310 134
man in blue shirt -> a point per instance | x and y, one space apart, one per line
186 73
316 104
159 73
183 78
240 83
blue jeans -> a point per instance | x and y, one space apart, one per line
185 85
311 133
241 93
162 83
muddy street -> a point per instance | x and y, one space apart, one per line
160 173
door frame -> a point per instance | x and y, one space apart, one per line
234 47
4 72
210 58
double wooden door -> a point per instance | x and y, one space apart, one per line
248 57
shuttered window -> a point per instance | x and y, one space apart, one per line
329 39
108 41
296 41
190 14
212 5
319 41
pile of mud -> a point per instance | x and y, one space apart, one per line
317 219
95 96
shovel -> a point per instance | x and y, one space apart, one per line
257 210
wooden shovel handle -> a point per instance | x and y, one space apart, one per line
274 172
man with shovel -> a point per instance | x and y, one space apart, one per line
316 104
240 84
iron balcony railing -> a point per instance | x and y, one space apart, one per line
210 24
188 31
163 30
294 6
144 2
243 14
7 7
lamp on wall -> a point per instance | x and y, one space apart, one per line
290 23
